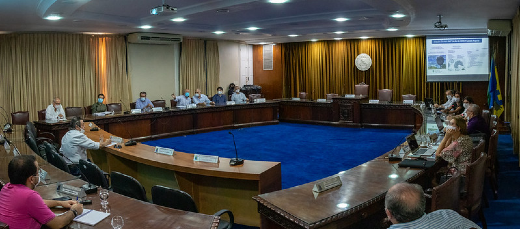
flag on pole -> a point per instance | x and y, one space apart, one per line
494 94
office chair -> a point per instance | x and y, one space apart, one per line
384 95
447 195
93 174
302 95
31 142
361 89
115 107
54 158
41 114
127 186
20 117
159 103
409 97
73 111
173 198
471 203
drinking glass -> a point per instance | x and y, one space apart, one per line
103 195
117 222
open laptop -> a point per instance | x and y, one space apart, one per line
440 123
415 149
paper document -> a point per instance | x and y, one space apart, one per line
91 217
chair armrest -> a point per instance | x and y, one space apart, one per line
231 217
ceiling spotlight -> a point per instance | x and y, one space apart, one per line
293 35
262 43
219 32
364 37
314 40
398 15
339 32
278 1
145 27
410 35
392 29
338 38
53 17
178 19
341 19
253 28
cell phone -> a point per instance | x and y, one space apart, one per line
63 198
86 202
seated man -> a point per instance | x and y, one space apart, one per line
219 99
24 208
99 106
201 99
405 204
449 101
238 96
476 123
143 102
183 100
75 143
55 112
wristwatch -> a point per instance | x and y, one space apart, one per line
75 212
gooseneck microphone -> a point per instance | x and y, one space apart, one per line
127 111
129 142
236 160
392 156
7 125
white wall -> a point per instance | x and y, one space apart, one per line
229 54
154 69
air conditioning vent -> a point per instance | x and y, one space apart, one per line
154 38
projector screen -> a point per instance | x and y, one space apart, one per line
464 58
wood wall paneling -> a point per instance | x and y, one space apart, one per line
269 80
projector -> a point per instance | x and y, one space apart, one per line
163 10
439 25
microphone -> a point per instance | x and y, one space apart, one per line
127 111
7 126
392 156
129 142
236 160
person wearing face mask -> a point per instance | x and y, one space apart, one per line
183 100
468 100
457 106
99 106
24 208
219 99
476 123
55 112
456 146
75 143
238 96
201 99
449 100
142 102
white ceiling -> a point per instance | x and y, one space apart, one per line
311 19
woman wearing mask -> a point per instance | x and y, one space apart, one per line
457 107
456 146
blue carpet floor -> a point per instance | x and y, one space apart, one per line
307 152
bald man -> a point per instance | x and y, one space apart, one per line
55 111
405 204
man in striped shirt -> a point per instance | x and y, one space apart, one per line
405 204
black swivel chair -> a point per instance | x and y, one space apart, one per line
54 158
93 174
31 142
127 186
173 198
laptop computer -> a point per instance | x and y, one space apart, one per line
428 102
415 149
440 123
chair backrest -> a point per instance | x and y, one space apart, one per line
486 115
132 105
20 117
93 173
252 97
127 186
492 123
31 142
73 111
173 103
173 198
447 195
31 128
385 94
477 150
409 97
54 158
302 95
330 96
116 107
492 149
41 114
475 175
159 103
361 89
88 110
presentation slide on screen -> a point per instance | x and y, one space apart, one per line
457 59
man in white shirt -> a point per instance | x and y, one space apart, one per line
238 96
201 99
55 112
449 101
183 100
75 143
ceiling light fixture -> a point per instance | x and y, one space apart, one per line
178 19
293 35
341 19
219 32
145 27
253 28
364 37
410 35
314 40
53 17
398 15
392 29
339 32
338 38
278 1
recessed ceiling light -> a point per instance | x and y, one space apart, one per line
219 32
339 32
253 28
314 40
223 11
341 19
364 37
53 17
278 1
338 38
398 15
410 35
263 43
392 29
145 27
293 35
178 19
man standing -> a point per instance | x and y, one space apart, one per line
99 106
238 96
24 208
183 100
219 99
55 112
143 102
405 204
201 99
75 143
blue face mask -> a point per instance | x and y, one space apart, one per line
143 99
100 100
187 94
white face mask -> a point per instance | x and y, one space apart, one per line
456 99
57 106
197 94
450 128
237 90
219 92
449 97
465 105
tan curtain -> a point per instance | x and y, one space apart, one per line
34 68
199 66
324 67
515 82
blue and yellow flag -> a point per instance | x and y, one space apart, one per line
494 94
